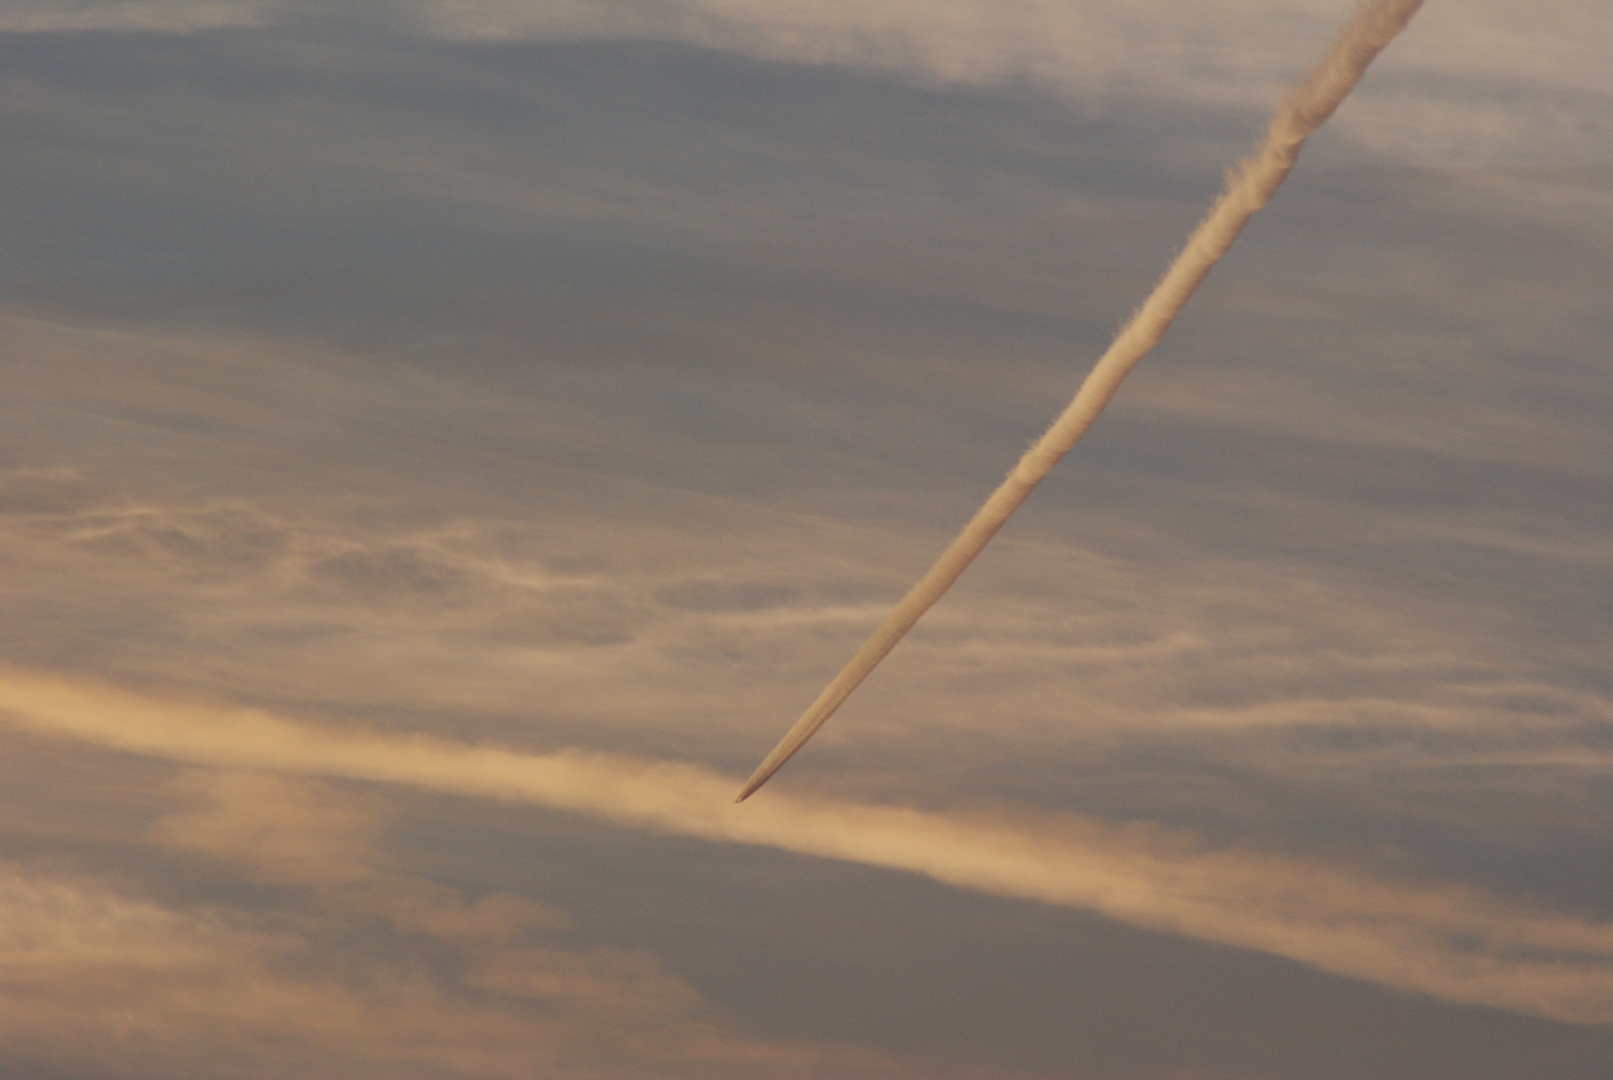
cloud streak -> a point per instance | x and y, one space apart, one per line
1249 187
1453 942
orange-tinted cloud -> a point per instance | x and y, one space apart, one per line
1454 942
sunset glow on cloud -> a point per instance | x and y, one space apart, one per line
444 444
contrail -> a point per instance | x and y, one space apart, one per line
1305 107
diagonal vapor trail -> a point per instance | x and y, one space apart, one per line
1306 107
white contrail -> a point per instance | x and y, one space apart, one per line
1305 107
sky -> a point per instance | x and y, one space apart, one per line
445 443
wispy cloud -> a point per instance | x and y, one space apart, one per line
343 962
1479 85
596 387
92 977
299 831
1453 942
681 622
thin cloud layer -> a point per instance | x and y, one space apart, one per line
129 16
97 979
690 623
96 976
438 388
1453 942
1462 88
1483 83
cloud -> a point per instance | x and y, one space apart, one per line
92 978
288 829
298 831
1482 82
437 589
1454 942
1479 84
1080 47
322 954
30 492
129 16
744 310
